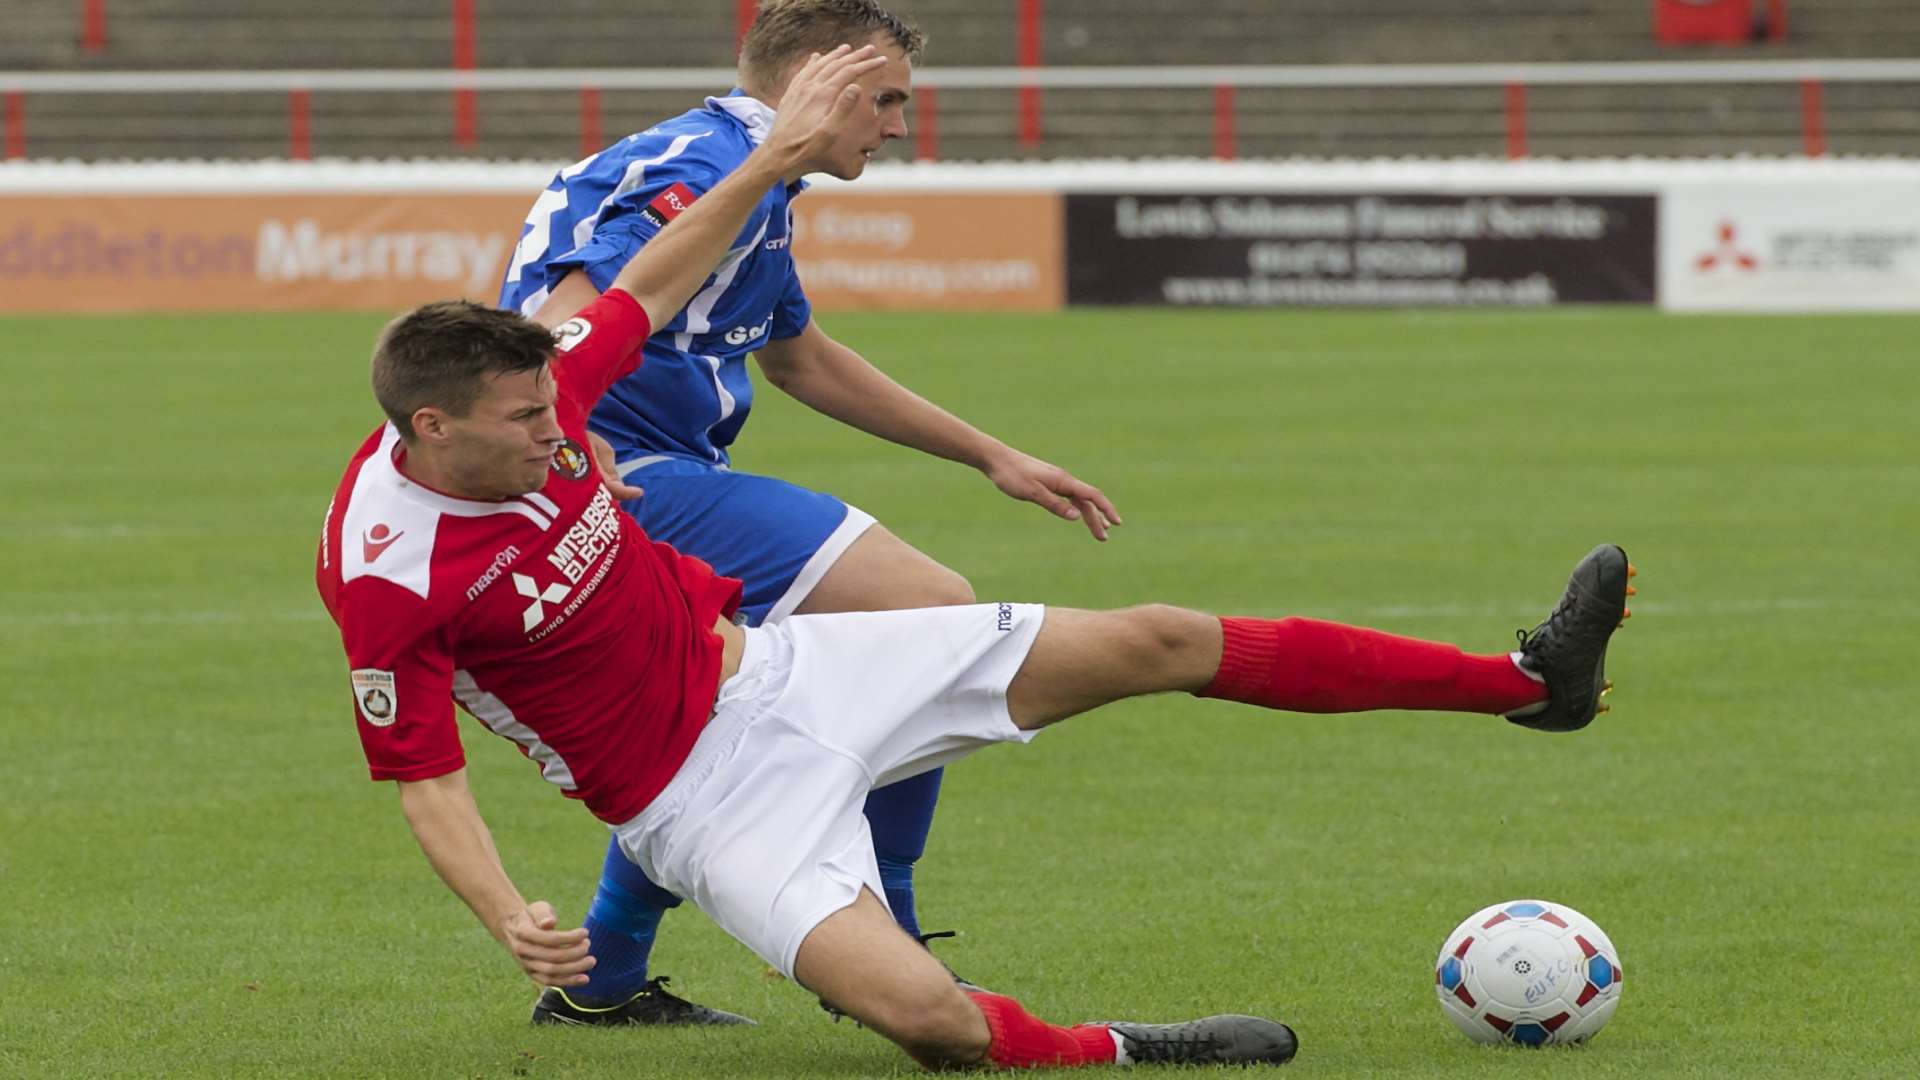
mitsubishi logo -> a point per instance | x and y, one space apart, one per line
536 611
1727 251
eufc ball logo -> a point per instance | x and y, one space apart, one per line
570 461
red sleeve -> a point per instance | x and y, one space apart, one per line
598 347
401 671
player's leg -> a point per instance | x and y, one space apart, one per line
805 552
770 535
898 692
1083 659
621 922
859 962
881 572
862 963
791 548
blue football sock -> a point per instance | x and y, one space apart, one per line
897 878
621 925
901 816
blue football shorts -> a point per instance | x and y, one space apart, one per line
778 538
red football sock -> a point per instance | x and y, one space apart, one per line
1024 1041
1305 665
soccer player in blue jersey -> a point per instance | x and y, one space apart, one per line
670 424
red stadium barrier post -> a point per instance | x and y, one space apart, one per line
1703 22
93 26
1776 20
1813 119
1223 134
1029 58
1516 120
743 13
926 124
466 105
300 125
16 125
590 141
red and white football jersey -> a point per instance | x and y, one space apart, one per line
551 617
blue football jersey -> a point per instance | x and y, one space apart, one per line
691 394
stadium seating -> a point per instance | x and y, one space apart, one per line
347 34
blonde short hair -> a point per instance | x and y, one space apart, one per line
785 31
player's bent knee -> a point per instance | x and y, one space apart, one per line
943 589
1172 641
1162 629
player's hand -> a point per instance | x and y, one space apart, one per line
816 104
549 956
602 451
1053 488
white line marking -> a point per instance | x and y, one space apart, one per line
155 618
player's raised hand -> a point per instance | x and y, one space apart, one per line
1024 476
549 956
817 102
603 459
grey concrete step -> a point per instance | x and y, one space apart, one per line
187 34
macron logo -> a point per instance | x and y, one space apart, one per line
375 541
531 589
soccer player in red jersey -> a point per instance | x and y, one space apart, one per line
471 555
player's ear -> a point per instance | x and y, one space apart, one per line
429 425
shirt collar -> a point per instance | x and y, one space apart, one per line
752 113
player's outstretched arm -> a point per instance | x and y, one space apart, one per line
447 823
816 106
833 379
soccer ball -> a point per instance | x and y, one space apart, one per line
1528 972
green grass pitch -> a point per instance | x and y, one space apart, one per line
200 880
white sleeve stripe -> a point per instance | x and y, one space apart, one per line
499 719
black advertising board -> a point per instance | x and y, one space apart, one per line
1360 250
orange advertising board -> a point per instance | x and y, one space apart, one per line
120 252
282 252
947 251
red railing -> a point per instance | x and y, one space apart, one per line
1223 83
93 25
15 122
1223 122
926 124
590 141
743 12
1029 32
1813 120
466 103
300 124
1029 59
1516 120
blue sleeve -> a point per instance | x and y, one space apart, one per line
624 226
612 246
793 311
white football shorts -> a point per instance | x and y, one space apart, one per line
762 827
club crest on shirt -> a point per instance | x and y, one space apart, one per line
373 691
570 461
